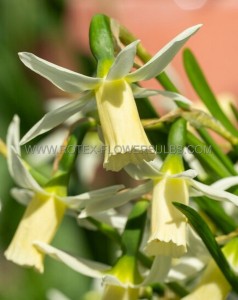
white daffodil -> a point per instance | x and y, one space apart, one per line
168 225
213 283
46 205
124 136
122 281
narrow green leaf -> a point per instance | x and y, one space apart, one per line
132 235
206 156
217 150
217 214
202 229
204 91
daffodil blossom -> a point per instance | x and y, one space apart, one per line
124 136
120 281
213 283
168 225
46 205
123 280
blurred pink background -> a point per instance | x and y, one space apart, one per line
155 22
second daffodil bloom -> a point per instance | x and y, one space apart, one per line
171 184
124 136
46 205
213 283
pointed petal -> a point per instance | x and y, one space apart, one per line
186 174
139 92
64 79
120 199
213 193
21 175
123 62
22 196
54 294
13 137
55 118
188 266
80 265
79 201
145 170
159 270
225 183
158 62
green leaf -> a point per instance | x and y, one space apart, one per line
217 214
206 156
202 229
132 235
204 91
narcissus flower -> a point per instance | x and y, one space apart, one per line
213 283
46 205
171 184
121 281
124 136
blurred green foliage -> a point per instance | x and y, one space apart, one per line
24 25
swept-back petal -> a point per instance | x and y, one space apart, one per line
158 62
225 183
145 170
121 198
79 201
139 92
81 265
23 196
13 138
123 62
56 117
159 270
21 175
213 193
64 79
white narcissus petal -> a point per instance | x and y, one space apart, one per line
123 62
21 175
80 201
168 224
40 221
160 60
213 285
186 174
65 79
225 183
159 270
13 138
22 196
188 267
212 192
145 169
56 117
121 198
139 92
80 265
54 294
